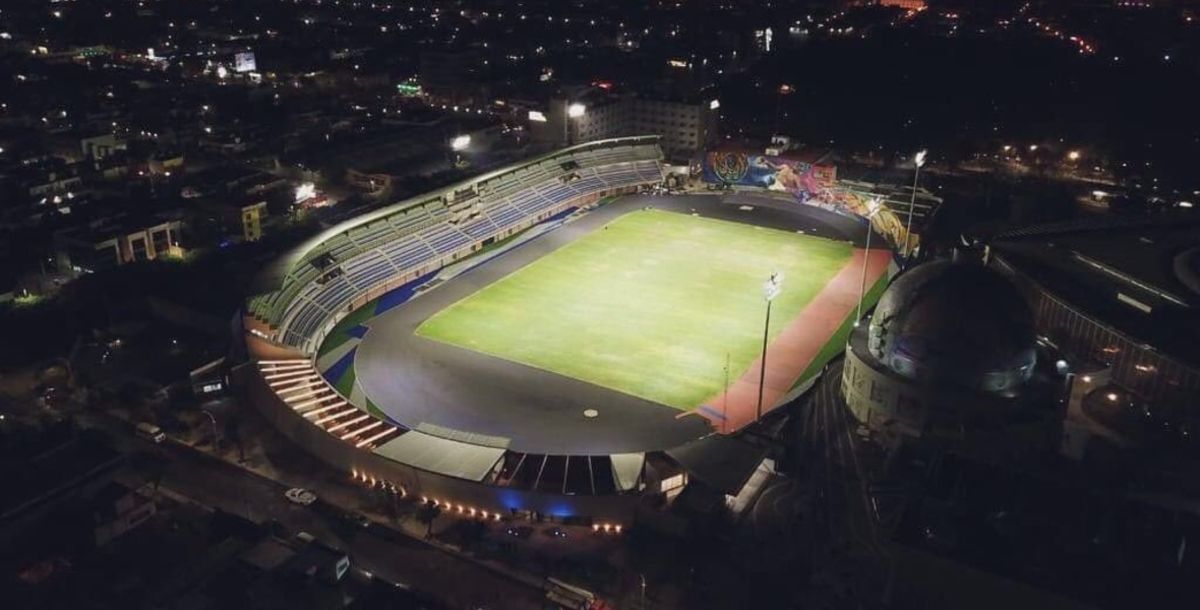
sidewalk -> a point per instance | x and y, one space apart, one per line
355 498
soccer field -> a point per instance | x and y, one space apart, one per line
650 305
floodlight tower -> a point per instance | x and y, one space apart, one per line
771 289
575 112
872 209
918 161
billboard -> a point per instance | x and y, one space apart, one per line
809 183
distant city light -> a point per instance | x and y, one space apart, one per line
576 110
713 105
460 143
537 116
1073 155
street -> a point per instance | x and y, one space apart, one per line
207 480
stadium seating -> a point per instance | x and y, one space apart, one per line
412 235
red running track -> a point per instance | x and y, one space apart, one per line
796 347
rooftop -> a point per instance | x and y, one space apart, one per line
1091 262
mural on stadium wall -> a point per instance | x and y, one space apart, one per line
810 184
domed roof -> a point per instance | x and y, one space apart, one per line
958 323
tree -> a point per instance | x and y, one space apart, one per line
233 432
427 514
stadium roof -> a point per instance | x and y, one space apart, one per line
442 456
627 468
723 463
1090 262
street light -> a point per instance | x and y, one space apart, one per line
872 209
575 110
1073 155
642 577
213 421
460 143
771 289
918 161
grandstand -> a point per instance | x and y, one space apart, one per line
301 297
307 292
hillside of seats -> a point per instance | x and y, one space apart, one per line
430 230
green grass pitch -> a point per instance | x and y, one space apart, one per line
649 305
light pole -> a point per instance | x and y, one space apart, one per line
459 144
872 209
643 579
575 111
213 420
771 290
725 403
918 161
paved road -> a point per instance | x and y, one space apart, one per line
211 482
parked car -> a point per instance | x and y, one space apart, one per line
301 496
150 432
521 531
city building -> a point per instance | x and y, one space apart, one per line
1116 299
54 470
686 127
115 242
909 5
451 76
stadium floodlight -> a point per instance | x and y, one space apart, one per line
713 105
460 143
537 116
873 207
772 286
918 163
576 110
771 289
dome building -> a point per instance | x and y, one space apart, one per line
950 348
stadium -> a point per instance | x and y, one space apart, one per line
547 340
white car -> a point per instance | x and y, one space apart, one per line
301 496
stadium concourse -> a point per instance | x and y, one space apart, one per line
336 364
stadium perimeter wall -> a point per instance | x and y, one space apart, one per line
613 508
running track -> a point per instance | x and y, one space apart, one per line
798 345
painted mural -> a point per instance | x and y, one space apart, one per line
809 183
